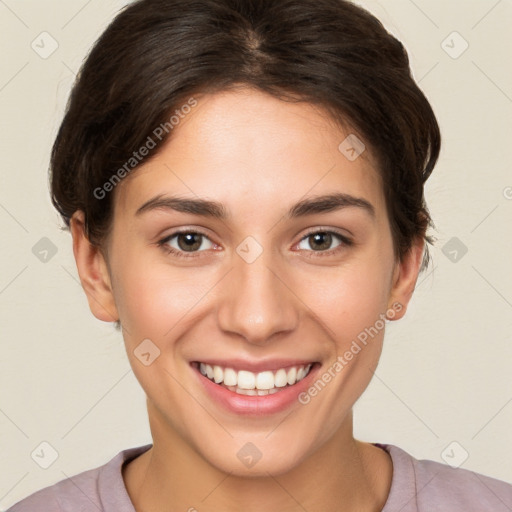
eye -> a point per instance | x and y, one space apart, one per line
187 243
321 242
182 242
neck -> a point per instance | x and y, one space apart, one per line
342 475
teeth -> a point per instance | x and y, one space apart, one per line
254 384
265 380
291 377
230 377
246 380
218 374
280 378
251 392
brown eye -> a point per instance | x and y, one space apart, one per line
189 241
184 242
322 242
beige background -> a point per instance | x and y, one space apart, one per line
445 372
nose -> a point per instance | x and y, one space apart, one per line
256 302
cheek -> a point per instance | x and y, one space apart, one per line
152 297
155 304
349 299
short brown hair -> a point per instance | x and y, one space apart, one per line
157 53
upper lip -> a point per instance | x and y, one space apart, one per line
256 366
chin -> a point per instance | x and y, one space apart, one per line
256 459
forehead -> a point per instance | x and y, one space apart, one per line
254 152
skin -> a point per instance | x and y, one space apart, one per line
258 156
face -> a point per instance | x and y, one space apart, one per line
281 303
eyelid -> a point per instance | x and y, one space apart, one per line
345 241
313 231
321 229
163 242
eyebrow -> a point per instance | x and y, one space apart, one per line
213 209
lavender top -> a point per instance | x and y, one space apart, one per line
416 486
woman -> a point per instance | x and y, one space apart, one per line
243 182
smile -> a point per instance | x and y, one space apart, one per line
245 382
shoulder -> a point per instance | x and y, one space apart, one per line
92 490
60 496
424 485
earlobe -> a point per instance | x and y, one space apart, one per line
93 272
405 276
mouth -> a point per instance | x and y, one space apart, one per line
249 383
255 388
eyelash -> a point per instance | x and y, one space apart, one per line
345 242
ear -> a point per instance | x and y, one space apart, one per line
93 272
404 279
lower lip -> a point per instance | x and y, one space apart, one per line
257 405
